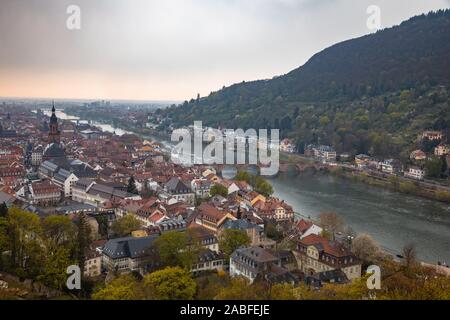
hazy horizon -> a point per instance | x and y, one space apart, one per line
168 51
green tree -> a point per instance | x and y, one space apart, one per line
102 221
125 225
272 232
23 232
3 210
174 249
219 189
259 184
83 240
131 188
433 167
58 230
263 187
172 283
125 287
4 243
232 239
54 269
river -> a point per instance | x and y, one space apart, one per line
391 218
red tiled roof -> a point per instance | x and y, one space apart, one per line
330 247
210 212
303 225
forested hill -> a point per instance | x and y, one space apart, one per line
363 72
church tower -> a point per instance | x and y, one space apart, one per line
54 135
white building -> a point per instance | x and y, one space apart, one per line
415 173
65 181
287 145
36 156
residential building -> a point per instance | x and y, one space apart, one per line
44 193
391 166
442 150
318 279
96 194
204 237
125 255
93 259
418 155
256 262
325 153
361 160
316 254
209 260
415 173
7 199
65 180
433 135
305 228
201 187
36 156
275 209
254 232
287 145
179 190
212 218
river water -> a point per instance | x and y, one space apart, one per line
391 218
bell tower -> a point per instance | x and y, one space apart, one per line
54 135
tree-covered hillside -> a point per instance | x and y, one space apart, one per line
370 94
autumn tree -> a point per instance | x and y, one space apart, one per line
331 222
124 287
409 258
172 283
125 225
209 285
365 248
238 289
232 239
282 291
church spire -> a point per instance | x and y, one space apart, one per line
54 134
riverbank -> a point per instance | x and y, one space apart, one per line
394 183
301 164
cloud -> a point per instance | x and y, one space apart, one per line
172 49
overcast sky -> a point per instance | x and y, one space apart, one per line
172 49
